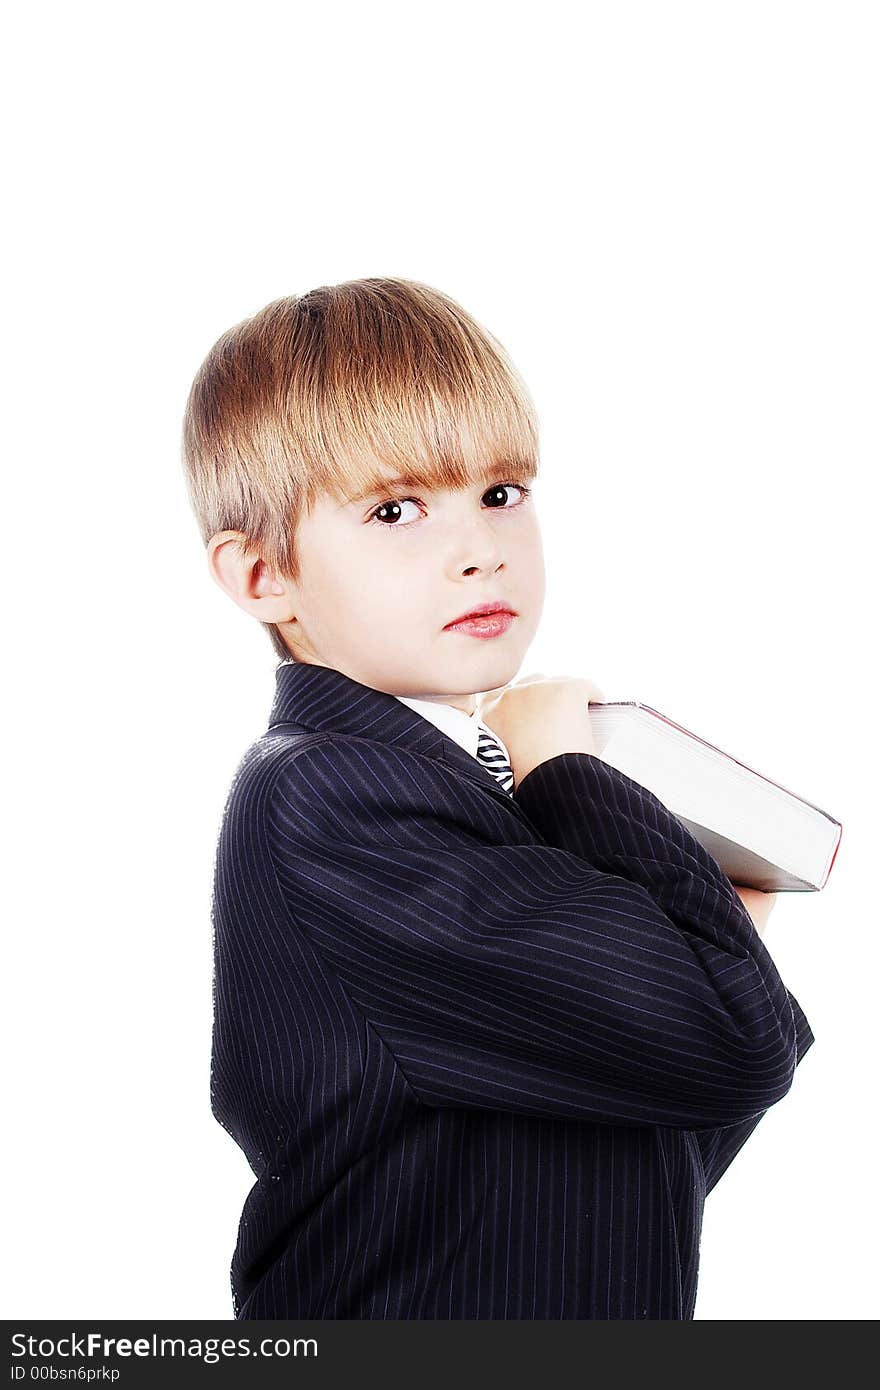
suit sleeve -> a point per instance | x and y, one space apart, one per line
719 1147
552 793
618 981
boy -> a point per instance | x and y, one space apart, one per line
489 1022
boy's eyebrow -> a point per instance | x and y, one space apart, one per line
408 481
379 484
376 487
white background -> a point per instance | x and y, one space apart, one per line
668 213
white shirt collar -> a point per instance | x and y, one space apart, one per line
464 728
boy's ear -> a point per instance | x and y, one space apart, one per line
247 579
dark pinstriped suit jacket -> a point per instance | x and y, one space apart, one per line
485 1054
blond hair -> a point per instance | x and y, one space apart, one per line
317 392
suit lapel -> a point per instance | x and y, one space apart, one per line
322 699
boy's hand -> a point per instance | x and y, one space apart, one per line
758 905
539 717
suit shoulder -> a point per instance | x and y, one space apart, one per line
335 768
304 765
266 759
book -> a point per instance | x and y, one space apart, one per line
759 833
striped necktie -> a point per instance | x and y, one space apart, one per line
491 755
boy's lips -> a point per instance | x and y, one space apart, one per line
484 610
487 621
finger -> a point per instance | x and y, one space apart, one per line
496 690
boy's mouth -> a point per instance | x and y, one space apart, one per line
484 610
487 620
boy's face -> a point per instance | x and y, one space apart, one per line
379 583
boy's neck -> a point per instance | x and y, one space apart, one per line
467 704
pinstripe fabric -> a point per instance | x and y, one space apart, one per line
485 1054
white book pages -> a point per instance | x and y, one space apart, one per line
761 834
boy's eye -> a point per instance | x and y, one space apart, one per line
388 513
496 493
391 511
